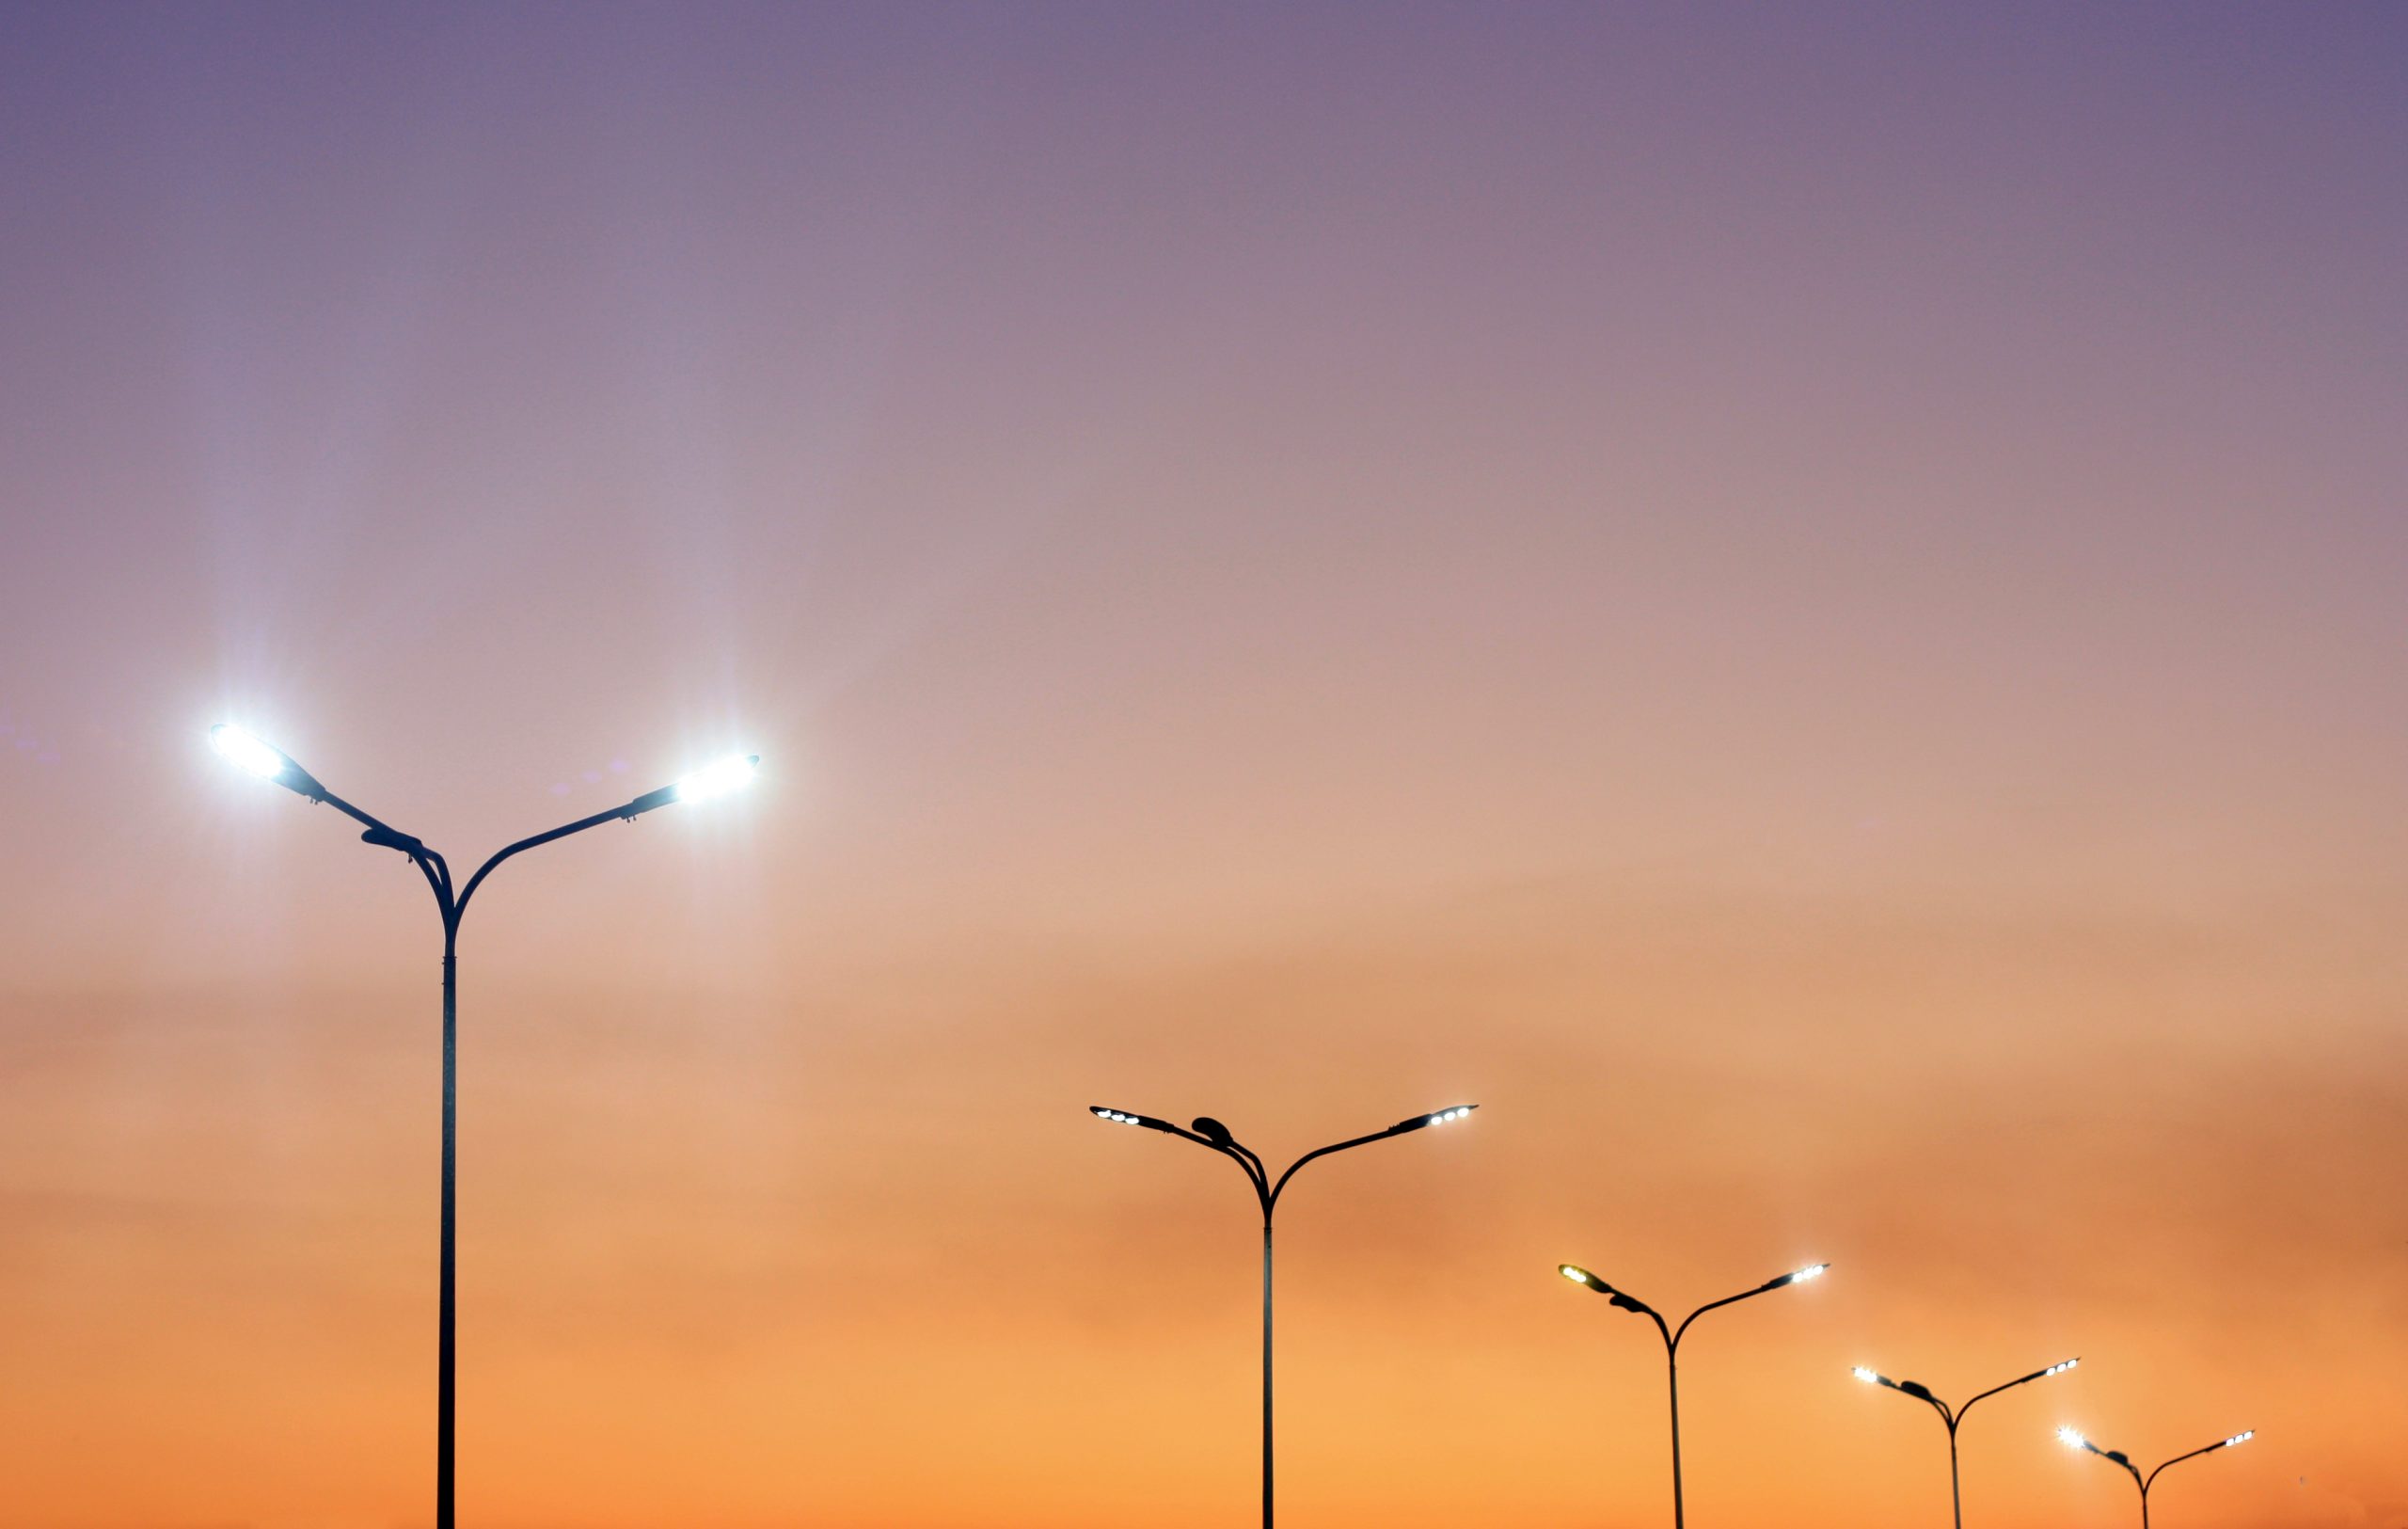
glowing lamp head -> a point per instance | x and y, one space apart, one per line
1577 1275
2242 1438
728 774
1436 1117
2062 1366
1868 1376
1812 1271
1117 1117
248 752
2072 1439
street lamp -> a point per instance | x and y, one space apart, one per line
1207 1132
1671 1337
1923 1394
271 763
2072 1439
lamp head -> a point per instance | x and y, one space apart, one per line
1213 1131
1812 1271
255 756
1437 1117
728 774
1870 1377
2062 1366
1122 1117
2242 1438
2072 1439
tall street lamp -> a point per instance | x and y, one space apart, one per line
1923 1394
1207 1132
271 763
2072 1439
1671 1336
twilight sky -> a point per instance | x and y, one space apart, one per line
1805 602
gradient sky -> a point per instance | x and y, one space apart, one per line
1803 601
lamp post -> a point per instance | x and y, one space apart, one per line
1207 1132
1923 1394
2072 1439
271 763
1673 1336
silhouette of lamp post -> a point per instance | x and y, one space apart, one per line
1207 1132
1923 1394
270 763
1673 1336
2072 1439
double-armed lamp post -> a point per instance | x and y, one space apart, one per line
271 763
1207 1132
2072 1439
1671 1336
1952 1417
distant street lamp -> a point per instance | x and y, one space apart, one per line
1671 1336
1207 1132
1923 1394
2072 1439
270 763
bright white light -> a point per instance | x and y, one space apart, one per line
2072 1439
1812 1271
1578 1276
715 779
1866 1375
2061 1368
2241 1438
246 751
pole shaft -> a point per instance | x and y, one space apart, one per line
446 1300
1955 1493
1672 1372
1266 1375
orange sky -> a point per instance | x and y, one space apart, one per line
1805 608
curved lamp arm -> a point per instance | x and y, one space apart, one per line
2242 1438
2074 1439
503 853
2058 1368
1915 1389
1247 1162
708 781
1621 1298
1812 1271
1273 1201
1404 1127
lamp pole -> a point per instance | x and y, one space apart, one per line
2073 1438
1207 1132
1673 1336
271 763
1923 1394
